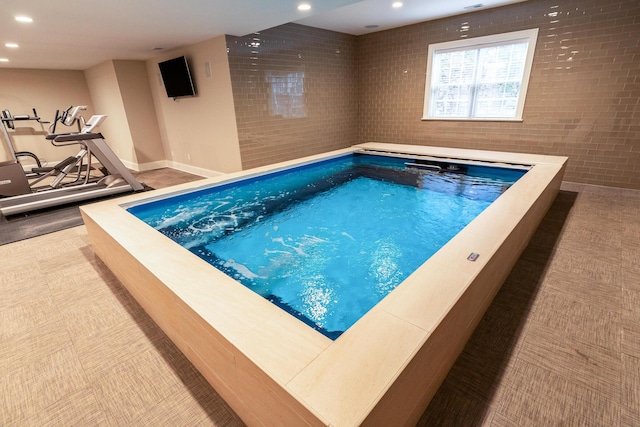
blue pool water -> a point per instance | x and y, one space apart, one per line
328 241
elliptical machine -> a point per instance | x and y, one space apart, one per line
7 121
21 195
69 117
80 164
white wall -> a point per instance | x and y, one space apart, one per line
145 128
105 93
46 90
199 133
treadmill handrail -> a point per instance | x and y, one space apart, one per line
77 137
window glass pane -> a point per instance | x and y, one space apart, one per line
480 80
501 70
453 77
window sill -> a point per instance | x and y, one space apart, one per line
472 119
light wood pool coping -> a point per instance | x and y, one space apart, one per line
273 369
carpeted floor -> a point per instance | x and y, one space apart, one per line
559 346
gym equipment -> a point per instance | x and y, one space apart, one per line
70 164
8 122
12 179
69 117
22 196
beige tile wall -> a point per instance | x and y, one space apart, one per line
327 119
583 98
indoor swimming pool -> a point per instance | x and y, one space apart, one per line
327 241
267 364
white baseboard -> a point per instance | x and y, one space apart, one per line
207 173
141 167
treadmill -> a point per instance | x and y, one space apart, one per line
118 179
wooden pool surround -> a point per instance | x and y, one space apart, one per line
271 368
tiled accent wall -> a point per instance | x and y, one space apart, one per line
295 92
583 97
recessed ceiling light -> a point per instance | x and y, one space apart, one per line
11 45
23 19
4 60
304 6
371 26
474 6
397 4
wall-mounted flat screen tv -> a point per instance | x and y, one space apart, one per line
176 77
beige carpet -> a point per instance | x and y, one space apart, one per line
560 345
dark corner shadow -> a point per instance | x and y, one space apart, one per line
202 392
465 396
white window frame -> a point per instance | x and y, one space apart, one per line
530 36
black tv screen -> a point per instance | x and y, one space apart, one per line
176 77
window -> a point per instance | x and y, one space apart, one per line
483 78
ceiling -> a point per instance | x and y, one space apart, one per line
76 36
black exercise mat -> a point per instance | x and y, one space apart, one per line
32 224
